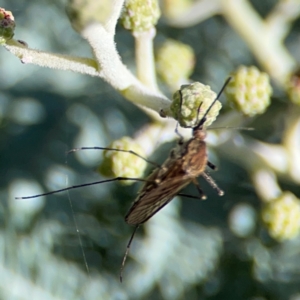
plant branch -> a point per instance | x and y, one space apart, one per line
53 61
270 51
196 13
117 74
291 141
266 185
280 18
111 22
254 155
144 58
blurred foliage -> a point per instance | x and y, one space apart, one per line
215 249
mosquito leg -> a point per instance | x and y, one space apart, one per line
181 138
189 196
114 149
82 185
212 183
127 251
211 165
201 196
200 191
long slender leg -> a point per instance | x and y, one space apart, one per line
212 183
201 196
82 185
114 149
200 191
189 196
211 165
127 251
181 139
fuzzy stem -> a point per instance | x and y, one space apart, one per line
145 58
111 22
117 74
53 61
266 185
291 141
280 18
254 155
197 12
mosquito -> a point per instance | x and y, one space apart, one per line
185 163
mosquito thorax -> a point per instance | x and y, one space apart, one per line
199 133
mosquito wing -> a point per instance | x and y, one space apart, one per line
148 204
184 164
157 193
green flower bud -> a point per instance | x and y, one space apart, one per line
175 62
282 216
140 15
293 87
84 12
7 25
123 164
249 91
188 100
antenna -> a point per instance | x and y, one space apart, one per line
212 104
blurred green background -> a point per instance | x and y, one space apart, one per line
215 249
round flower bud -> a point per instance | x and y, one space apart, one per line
191 102
123 164
140 15
7 25
84 12
249 91
282 216
175 62
293 87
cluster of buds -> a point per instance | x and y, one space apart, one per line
123 163
249 91
7 26
81 13
282 216
191 102
139 15
175 62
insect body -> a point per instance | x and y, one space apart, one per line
184 165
